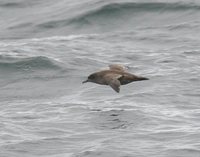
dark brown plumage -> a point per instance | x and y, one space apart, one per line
114 77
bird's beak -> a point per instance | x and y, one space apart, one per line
142 78
85 81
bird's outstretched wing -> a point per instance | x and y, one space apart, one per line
117 67
113 82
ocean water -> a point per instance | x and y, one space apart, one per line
47 48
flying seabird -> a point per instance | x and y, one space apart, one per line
114 77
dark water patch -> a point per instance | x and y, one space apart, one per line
16 4
11 5
53 24
117 119
147 6
25 64
118 9
194 79
166 61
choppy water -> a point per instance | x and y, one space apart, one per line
47 48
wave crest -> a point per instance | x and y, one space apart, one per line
114 9
30 63
117 10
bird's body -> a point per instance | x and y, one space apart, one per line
114 77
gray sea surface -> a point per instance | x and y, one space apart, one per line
47 48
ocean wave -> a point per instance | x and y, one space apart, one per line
144 6
118 10
115 9
101 17
29 63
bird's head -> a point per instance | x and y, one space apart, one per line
91 78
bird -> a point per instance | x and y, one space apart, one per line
115 76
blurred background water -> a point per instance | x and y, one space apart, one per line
47 48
